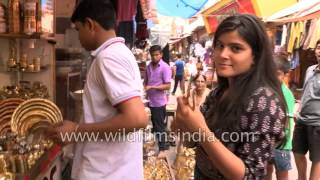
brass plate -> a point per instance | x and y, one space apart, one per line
5 113
38 126
44 104
8 108
11 100
4 128
32 121
30 118
9 105
35 108
24 109
5 119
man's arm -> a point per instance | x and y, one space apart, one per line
145 79
173 71
165 86
131 116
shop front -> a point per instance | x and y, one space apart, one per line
298 29
28 91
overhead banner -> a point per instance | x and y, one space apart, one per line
261 8
212 17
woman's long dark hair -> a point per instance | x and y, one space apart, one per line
262 73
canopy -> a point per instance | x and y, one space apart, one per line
261 8
179 8
303 10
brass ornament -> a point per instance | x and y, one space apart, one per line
35 114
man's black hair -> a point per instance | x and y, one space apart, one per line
155 48
101 11
282 63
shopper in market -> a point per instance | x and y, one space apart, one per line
199 91
306 135
111 102
199 65
157 81
242 120
179 74
191 68
282 154
196 93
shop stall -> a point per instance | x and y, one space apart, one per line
27 90
298 29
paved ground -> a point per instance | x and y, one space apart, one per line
293 174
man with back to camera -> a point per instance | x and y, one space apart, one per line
112 94
179 74
306 135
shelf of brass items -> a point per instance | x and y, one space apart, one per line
42 69
24 90
42 164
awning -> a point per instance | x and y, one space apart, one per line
174 40
215 14
261 8
179 8
196 24
303 10
177 39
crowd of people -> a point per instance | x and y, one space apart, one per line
249 99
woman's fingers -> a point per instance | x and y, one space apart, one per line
189 89
193 102
182 114
183 105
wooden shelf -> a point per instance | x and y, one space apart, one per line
25 36
20 35
42 69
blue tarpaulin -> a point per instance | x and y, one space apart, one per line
179 8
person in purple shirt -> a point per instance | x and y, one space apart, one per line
157 81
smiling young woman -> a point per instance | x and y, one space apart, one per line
247 100
233 55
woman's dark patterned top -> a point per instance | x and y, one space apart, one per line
261 129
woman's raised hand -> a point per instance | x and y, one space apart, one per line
188 119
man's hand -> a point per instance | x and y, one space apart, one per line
58 132
147 88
